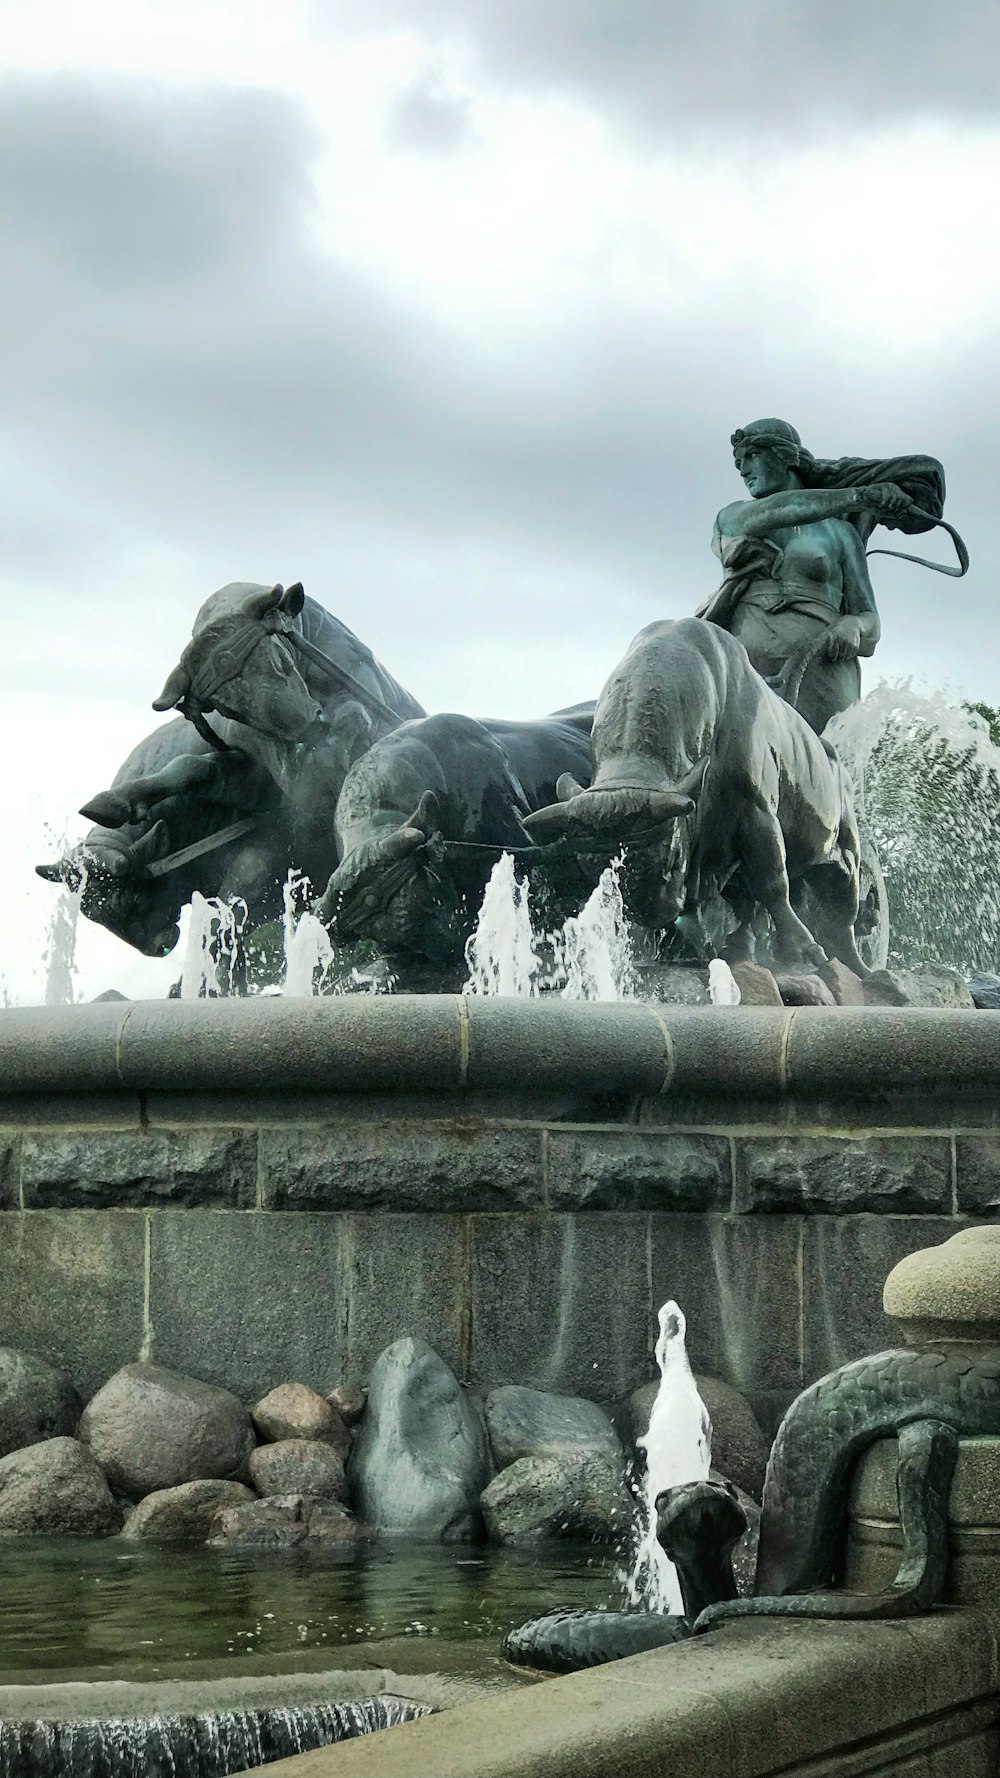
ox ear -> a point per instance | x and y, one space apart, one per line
174 692
151 845
293 599
52 873
259 604
691 783
567 787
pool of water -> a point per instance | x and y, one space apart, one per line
95 1607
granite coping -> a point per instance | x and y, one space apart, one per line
750 1701
463 1044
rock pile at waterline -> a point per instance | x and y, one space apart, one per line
161 1456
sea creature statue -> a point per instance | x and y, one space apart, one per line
698 1525
926 1397
718 789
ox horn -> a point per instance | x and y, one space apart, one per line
175 690
667 805
293 599
52 873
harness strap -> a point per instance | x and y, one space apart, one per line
369 699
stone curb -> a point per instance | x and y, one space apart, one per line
458 1044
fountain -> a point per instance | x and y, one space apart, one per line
544 1034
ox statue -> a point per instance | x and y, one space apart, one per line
717 788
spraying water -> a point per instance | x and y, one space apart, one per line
597 948
723 988
502 955
678 1448
59 956
927 781
590 958
309 955
213 948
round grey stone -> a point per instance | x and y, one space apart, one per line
56 1487
283 1521
153 1428
184 1514
535 1423
558 1495
298 1466
37 1400
293 1410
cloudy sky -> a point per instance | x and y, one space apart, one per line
448 308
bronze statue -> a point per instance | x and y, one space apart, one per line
796 590
298 750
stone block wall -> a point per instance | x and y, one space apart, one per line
264 1190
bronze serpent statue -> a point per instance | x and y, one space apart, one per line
928 1398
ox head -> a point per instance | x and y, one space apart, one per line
111 876
242 663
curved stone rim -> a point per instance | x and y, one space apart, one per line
464 1043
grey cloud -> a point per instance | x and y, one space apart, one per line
430 118
259 411
141 185
724 66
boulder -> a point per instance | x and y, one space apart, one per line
756 984
298 1466
293 1410
419 1462
560 1495
56 1487
348 1400
534 1423
984 989
847 988
184 1514
152 1428
37 1401
283 1521
739 1448
804 990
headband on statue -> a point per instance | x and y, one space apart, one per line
787 445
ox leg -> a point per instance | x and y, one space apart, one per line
834 888
766 874
216 777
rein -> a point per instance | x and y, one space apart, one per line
922 561
342 677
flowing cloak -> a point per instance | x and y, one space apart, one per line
748 559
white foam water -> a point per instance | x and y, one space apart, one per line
59 956
212 947
723 988
678 1448
927 785
502 954
589 958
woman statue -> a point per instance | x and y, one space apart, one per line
796 591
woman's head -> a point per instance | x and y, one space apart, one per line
769 455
